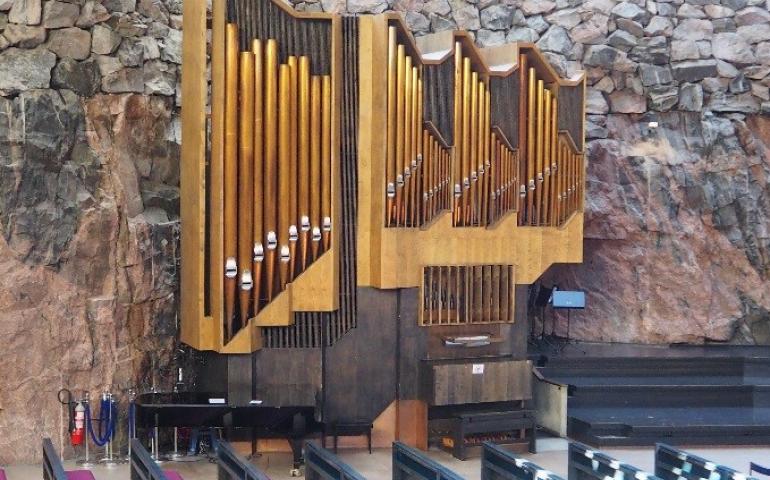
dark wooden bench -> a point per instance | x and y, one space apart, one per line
585 463
231 466
143 467
351 429
500 464
53 468
674 464
411 464
321 464
470 430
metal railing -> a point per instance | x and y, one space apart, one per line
675 464
500 464
409 463
231 466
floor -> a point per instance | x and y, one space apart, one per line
552 456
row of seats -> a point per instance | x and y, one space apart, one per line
230 465
584 463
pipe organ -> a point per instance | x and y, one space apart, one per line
356 193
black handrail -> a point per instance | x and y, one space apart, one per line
675 464
588 464
143 467
500 464
52 466
232 466
323 464
409 463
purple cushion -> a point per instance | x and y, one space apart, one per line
172 475
80 475
2 474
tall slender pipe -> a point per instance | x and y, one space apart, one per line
230 205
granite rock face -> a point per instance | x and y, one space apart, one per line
676 221
676 240
89 207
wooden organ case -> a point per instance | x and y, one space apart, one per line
362 213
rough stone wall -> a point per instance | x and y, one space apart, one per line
677 244
89 205
677 247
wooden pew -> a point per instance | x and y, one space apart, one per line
231 466
585 463
675 464
500 464
53 468
411 464
143 467
321 464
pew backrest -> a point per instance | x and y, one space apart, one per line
143 467
321 464
411 464
500 464
52 466
674 464
586 463
232 466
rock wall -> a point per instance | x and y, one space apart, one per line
677 244
89 205
677 247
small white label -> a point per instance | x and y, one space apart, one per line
216 401
478 369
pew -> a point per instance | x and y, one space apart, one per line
143 467
231 466
675 464
500 464
411 464
53 468
586 463
321 464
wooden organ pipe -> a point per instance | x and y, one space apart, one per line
554 167
390 165
546 169
246 181
415 132
271 164
539 153
523 140
284 170
303 172
531 150
464 159
459 100
400 122
326 162
258 190
230 204
407 153
470 161
316 102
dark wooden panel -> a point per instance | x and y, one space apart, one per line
505 106
412 344
452 383
572 112
288 377
239 379
360 368
264 19
438 98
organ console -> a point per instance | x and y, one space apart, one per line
352 185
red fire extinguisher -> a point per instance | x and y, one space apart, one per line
78 432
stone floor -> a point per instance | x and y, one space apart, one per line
552 456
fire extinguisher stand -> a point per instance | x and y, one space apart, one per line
86 462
